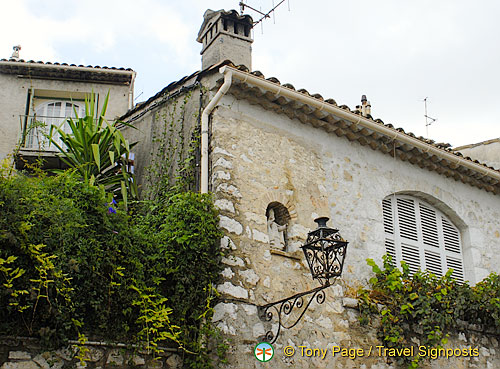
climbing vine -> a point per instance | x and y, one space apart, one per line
173 159
425 309
172 174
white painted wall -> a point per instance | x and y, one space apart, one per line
13 101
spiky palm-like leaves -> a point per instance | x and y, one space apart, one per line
96 149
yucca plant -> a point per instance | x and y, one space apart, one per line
96 149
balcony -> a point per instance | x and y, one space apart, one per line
35 145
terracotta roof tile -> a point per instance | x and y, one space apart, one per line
443 146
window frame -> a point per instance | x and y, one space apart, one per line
35 138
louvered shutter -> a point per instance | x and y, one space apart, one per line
421 236
428 221
453 248
390 247
407 233
406 219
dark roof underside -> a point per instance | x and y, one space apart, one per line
66 72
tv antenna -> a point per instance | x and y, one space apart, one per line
263 15
428 120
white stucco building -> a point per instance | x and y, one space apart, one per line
34 95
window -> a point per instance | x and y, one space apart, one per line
47 114
423 237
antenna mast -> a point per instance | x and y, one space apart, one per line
428 120
263 15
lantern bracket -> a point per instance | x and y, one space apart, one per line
285 307
325 252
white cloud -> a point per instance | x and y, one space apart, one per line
396 52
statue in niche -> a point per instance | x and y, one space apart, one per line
276 232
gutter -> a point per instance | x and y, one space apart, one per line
279 90
205 116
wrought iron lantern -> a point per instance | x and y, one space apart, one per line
325 252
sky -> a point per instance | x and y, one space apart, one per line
397 52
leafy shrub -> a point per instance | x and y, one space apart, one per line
426 307
182 234
67 223
71 261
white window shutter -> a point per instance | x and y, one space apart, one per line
428 222
411 255
433 262
423 237
406 218
390 249
457 266
451 237
388 216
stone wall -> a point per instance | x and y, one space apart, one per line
25 353
164 122
259 157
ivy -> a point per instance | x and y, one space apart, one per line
187 224
425 308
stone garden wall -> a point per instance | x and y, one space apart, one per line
25 353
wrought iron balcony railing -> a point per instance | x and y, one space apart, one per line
35 130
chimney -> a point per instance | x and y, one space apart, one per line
226 35
15 54
365 108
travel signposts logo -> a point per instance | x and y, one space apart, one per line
263 352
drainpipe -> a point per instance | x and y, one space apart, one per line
131 92
228 78
356 119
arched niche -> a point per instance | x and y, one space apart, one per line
278 220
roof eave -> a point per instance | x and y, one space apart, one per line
346 123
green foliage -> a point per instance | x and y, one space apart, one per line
69 247
154 319
187 224
74 263
183 228
72 268
96 149
425 306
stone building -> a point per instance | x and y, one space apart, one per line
35 95
276 158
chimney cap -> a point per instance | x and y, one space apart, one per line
210 14
15 54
